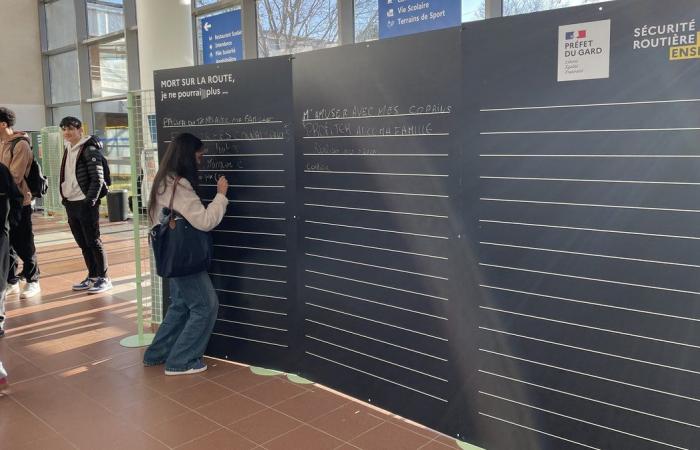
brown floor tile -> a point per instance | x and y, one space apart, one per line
167 385
109 433
311 404
118 399
182 429
22 372
147 414
200 394
241 380
276 391
304 437
348 421
415 427
264 426
216 368
60 360
23 431
52 443
447 440
435 445
230 409
388 436
220 440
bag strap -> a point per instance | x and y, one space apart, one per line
171 218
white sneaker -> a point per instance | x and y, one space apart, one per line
12 289
30 290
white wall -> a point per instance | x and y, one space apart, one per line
21 82
165 36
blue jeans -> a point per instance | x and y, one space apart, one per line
183 336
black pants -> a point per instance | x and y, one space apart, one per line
4 265
22 247
84 222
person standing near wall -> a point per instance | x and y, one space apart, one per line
11 200
82 185
184 334
16 154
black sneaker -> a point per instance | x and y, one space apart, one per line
100 285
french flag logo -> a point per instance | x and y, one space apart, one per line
580 34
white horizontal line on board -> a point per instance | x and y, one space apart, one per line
621 130
250 232
376 229
249 339
579 420
579 180
377 136
612 355
497 375
586 105
590 279
377 340
374 192
266 202
243 155
250 293
624 383
376 321
378 117
251 324
378 285
234 140
537 431
254 310
316 205
249 263
375 302
590 205
376 358
601 305
376 376
251 248
516 155
375 248
378 267
255 217
651 261
223 124
246 278
378 173
588 327
597 230
423 155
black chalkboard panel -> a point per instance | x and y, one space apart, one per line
589 231
379 169
243 113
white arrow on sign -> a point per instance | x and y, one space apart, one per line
207 26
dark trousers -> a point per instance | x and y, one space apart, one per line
4 265
22 247
84 222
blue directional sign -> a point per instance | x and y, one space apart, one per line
222 39
401 17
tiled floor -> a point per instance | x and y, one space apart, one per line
74 386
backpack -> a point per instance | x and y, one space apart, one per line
37 183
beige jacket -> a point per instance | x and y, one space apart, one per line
18 161
189 205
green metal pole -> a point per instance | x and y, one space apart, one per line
141 339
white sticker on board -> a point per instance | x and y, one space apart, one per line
584 51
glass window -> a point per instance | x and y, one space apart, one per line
366 20
64 111
63 73
60 24
223 35
200 3
473 10
299 26
513 7
112 126
108 72
105 16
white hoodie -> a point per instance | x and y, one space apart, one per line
70 187
189 205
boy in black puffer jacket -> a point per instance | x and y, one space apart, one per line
82 185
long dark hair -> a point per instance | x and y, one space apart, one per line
180 161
